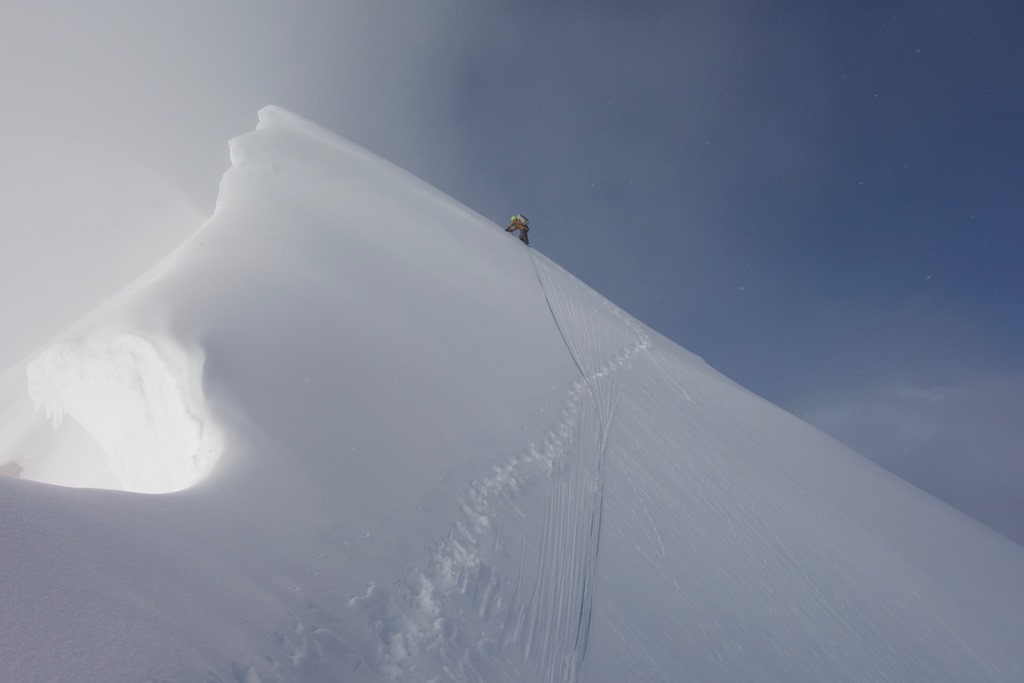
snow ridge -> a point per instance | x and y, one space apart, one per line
422 487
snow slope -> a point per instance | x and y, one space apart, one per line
392 443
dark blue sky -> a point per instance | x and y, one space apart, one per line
821 199
783 176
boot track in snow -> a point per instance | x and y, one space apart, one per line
536 624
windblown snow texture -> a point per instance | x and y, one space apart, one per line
413 449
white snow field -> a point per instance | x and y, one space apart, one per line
353 431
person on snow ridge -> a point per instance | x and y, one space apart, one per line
519 222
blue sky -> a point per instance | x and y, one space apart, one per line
821 199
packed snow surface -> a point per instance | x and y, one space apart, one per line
392 443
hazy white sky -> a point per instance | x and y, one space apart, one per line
119 115
822 201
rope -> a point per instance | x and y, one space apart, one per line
583 625
558 325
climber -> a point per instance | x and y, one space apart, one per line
519 222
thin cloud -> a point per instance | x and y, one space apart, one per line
962 443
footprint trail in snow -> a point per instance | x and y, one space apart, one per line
534 625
